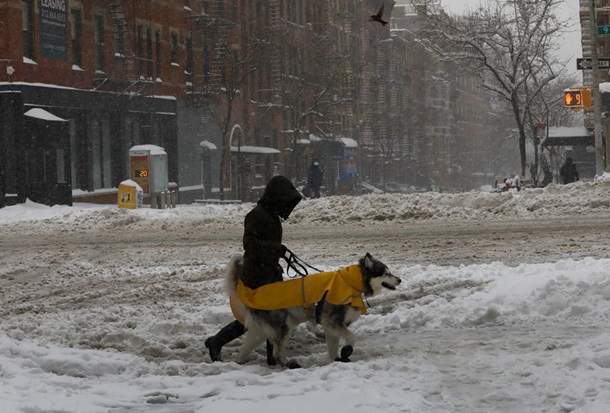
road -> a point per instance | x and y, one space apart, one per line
154 289
28 257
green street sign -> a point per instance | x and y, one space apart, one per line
603 29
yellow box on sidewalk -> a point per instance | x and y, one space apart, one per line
130 195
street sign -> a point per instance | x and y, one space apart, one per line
603 29
583 64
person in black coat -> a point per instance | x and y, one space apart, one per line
568 171
263 250
314 178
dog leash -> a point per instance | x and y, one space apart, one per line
300 267
297 264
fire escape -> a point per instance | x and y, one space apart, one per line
213 27
275 29
129 78
269 29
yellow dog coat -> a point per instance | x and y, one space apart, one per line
344 287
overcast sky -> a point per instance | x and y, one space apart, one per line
571 48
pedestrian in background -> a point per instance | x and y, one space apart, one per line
568 171
314 178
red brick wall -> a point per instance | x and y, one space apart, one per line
166 16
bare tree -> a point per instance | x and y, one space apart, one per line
239 63
510 45
311 95
548 110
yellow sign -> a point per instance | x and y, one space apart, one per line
128 196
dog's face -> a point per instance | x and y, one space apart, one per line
376 276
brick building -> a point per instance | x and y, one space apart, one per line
105 76
234 91
583 151
102 76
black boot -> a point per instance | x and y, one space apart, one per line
228 333
270 359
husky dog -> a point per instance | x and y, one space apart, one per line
277 324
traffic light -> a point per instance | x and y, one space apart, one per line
577 98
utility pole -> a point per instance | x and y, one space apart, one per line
597 101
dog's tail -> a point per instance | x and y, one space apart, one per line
232 274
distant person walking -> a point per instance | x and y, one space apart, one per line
314 178
568 171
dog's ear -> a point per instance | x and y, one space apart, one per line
368 260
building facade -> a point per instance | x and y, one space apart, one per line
102 77
235 91
584 155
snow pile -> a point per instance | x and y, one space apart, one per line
573 199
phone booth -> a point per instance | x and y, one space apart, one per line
148 167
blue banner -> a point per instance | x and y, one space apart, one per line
53 18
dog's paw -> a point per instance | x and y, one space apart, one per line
346 351
293 365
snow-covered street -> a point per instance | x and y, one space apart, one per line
504 306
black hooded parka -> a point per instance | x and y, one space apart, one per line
263 233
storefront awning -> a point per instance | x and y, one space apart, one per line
208 145
254 150
42 114
563 136
349 142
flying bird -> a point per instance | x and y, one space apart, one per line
377 17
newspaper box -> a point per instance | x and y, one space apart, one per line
130 195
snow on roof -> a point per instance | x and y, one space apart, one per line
566 132
207 144
40 113
260 150
153 149
349 142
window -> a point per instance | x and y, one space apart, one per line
206 63
99 43
100 153
234 65
140 48
27 27
74 150
149 52
77 34
174 50
119 44
60 163
158 53
188 65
